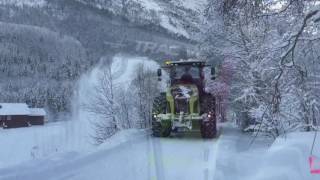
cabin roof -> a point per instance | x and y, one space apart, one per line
37 112
16 109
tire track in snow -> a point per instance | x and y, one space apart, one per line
206 159
206 154
214 158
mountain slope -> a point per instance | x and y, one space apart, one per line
38 66
180 17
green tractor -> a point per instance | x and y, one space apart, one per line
185 106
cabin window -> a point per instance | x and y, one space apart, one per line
9 118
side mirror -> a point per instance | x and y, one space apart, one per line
159 73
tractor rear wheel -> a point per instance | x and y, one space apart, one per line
159 107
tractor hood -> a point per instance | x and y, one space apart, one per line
184 91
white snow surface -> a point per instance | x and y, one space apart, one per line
198 5
150 4
14 109
130 154
288 158
7 109
25 144
136 155
170 23
285 159
176 28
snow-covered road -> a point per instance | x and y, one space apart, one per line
135 155
138 158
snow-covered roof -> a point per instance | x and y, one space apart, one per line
37 112
14 109
11 109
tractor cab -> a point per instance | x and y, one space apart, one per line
186 72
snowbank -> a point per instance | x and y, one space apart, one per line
285 159
288 158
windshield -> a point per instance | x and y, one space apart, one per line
180 71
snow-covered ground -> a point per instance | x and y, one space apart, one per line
288 158
128 155
136 155
25 144
285 159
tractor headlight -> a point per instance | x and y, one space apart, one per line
155 116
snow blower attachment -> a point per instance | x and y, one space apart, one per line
185 106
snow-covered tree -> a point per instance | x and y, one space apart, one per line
104 106
270 45
145 88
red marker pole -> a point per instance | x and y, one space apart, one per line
314 165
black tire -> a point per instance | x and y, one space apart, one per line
160 104
208 104
208 129
158 130
159 107
208 125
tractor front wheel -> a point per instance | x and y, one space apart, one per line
161 130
